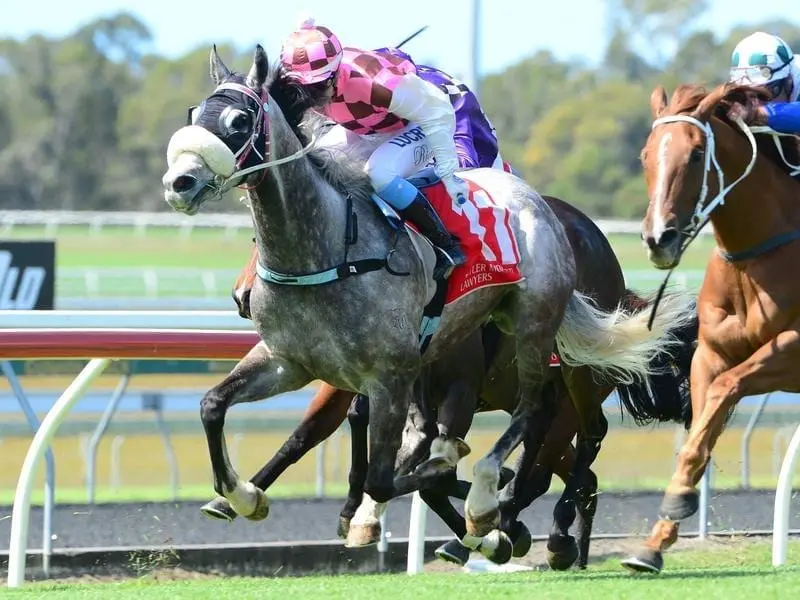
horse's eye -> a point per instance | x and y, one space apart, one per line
236 121
696 155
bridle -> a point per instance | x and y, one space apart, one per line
703 209
260 129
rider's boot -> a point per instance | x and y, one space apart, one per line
449 254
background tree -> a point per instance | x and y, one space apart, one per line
85 119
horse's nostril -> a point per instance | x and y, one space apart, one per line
183 183
668 237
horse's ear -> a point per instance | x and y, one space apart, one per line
707 105
658 101
260 69
218 71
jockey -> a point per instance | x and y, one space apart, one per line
763 59
397 116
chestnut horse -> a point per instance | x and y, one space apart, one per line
600 275
702 163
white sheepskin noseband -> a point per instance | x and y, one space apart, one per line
197 140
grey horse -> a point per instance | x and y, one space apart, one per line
342 289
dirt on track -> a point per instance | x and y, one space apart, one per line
177 523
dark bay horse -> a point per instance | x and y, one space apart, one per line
458 394
702 163
362 334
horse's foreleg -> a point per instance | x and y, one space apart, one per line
364 526
770 367
454 420
649 557
358 419
389 400
258 375
419 432
324 415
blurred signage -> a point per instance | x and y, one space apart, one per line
27 275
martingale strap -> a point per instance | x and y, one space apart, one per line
762 248
342 271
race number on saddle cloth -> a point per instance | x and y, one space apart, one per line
482 226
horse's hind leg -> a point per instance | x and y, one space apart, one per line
535 471
529 422
258 375
561 545
537 316
587 508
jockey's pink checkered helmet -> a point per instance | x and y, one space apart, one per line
312 53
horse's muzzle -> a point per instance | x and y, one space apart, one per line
664 249
184 191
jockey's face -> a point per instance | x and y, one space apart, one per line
331 87
322 92
781 90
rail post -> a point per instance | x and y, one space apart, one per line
20 513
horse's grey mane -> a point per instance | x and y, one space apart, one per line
344 172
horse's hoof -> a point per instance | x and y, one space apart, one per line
481 525
344 527
363 535
454 552
562 552
462 447
646 560
219 509
506 475
433 467
677 507
444 456
497 547
261 510
522 542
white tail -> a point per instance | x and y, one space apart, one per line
617 343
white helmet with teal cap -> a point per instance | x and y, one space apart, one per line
761 59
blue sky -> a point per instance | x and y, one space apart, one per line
511 29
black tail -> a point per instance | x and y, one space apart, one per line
668 398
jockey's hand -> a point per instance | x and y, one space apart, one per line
752 113
457 188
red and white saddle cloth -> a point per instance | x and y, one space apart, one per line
482 226
486 238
